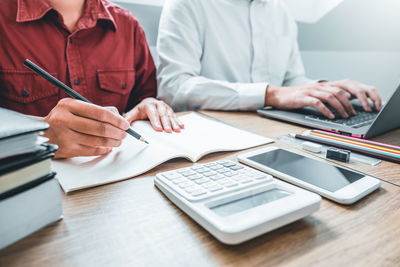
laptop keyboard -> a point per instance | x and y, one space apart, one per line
362 118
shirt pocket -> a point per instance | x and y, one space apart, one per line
115 87
25 87
119 82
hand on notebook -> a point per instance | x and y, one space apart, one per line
336 94
83 129
161 116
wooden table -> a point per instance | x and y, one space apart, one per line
131 223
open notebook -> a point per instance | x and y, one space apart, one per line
201 136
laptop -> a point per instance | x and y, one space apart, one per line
362 125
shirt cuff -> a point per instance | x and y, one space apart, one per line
251 95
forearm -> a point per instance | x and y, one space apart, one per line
197 92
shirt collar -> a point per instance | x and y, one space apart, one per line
31 10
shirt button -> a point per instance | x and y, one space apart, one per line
77 82
25 92
70 40
123 86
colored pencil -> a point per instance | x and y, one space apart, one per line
359 143
362 150
358 139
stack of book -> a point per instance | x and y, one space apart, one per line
30 196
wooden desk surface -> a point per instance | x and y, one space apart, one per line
132 223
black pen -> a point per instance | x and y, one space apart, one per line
69 91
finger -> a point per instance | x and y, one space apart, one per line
359 92
180 123
375 97
174 119
95 128
330 99
95 112
165 120
317 103
362 96
77 150
112 109
345 92
133 115
343 97
174 123
152 114
94 141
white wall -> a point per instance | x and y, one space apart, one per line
360 39
148 15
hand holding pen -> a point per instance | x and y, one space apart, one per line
81 128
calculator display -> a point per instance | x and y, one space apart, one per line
249 202
311 171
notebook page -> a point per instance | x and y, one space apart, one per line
202 136
132 158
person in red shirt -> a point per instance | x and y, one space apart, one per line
96 48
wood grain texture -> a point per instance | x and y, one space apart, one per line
131 223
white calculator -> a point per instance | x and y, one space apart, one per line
234 202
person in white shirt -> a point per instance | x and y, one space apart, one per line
242 55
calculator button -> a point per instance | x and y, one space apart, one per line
223 180
194 177
191 189
239 177
230 174
253 172
245 181
216 167
202 170
210 164
217 177
198 192
185 184
236 167
202 181
188 173
172 175
179 180
230 184
228 164
215 188
208 185
209 173
196 167
223 170
183 170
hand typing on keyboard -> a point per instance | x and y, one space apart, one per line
319 95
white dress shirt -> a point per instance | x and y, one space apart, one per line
222 54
